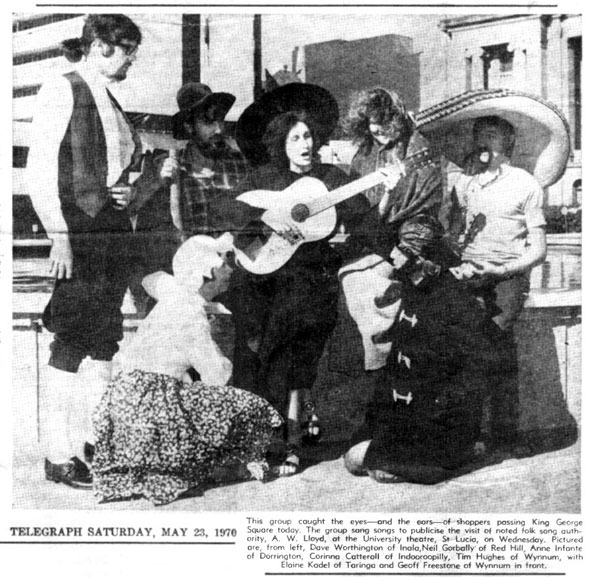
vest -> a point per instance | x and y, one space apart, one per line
82 159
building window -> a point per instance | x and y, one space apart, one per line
469 73
575 55
497 66
576 193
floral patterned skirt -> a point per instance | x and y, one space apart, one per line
158 437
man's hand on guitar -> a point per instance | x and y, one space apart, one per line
392 174
283 224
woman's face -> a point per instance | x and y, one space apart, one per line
299 148
383 134
218 281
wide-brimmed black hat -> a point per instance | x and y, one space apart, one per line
314 100
542 143
194 95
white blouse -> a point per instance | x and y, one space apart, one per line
176 336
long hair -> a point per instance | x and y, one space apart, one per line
109 28
277 132
376 106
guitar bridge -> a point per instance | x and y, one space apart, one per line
293 238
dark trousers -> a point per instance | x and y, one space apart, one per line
84 312
504 301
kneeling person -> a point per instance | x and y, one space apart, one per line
424 420
157 434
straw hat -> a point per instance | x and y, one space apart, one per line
542 143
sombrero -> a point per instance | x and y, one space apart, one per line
314 100
542 142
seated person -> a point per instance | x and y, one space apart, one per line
424 419
159 435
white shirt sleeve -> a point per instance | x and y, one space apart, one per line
534 205
54 106
461 183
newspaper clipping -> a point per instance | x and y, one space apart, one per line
295 290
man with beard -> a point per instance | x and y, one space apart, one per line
83 151
208 169
201 178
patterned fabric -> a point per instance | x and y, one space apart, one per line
206 182
158 437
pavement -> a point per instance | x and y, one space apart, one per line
548 482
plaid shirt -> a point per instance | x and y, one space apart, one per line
206 182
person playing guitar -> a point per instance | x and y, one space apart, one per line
379 123
283 317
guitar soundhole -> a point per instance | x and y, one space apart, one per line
300 212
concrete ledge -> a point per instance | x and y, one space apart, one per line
569 238
31 242
551 298
554 298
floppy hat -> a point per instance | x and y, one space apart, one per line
314 100
197 256
542 143
192 263
195 95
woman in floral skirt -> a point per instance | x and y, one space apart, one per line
159 435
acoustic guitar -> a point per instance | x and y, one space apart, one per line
311 206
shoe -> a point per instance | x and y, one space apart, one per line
88 452
384 477
290 465
73 473
311 427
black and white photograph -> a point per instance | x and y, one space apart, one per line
295 261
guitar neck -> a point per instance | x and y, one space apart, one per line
345 192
